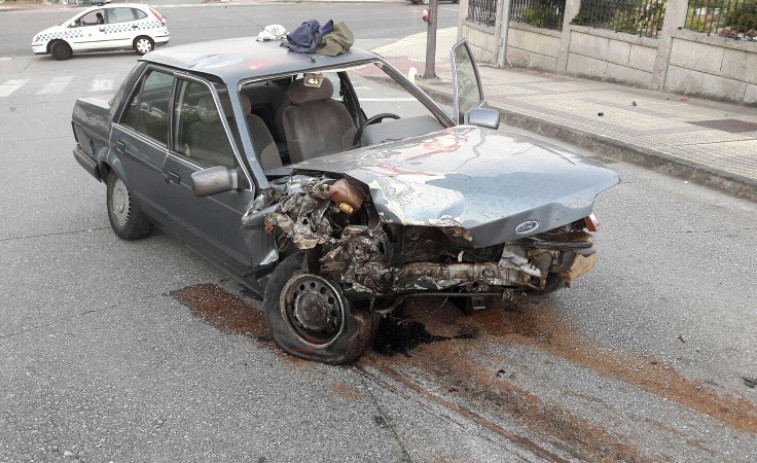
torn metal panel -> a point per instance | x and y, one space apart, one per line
302 212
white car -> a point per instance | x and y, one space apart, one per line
109 27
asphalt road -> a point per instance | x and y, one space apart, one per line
141 351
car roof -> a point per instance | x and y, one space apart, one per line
141 6
233 60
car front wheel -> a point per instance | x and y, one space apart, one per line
309 316
126 219
143 45
61 50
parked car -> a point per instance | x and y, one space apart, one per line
122 26
335 188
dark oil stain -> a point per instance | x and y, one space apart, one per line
401 336
223 310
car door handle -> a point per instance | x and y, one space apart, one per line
120 146
172 177
134 26
102 28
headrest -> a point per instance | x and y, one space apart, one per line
299 94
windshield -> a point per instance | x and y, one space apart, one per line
308 115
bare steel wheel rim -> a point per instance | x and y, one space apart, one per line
313 310
119 203
143 45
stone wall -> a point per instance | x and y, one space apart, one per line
712 67
679 60
533 47
611 56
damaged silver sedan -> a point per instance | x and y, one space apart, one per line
335 188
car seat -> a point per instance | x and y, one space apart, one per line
315 125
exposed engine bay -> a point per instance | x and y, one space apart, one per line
373 257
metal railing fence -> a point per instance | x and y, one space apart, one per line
641 17
539 13
483 12
736 19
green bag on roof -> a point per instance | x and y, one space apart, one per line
337 41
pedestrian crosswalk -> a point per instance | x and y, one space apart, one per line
11 86
99 83
57 85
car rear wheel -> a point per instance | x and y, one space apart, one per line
126 219
143 45
309 316
61 50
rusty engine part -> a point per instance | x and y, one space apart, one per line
348 198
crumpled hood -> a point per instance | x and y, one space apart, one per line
485 181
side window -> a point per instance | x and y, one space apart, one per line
200 134
149 109
120 15
138 14
92 18
337 84
467 91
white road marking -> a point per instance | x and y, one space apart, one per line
101 83
11 86
55 86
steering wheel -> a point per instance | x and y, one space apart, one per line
371 120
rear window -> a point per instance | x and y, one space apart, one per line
120 15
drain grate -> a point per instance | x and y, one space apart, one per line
728 125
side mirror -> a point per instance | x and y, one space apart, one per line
483 117
214 180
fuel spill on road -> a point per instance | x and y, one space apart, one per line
522 374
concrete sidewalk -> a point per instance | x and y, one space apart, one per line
708 142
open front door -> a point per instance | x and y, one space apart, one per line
466 83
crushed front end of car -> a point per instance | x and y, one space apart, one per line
465 212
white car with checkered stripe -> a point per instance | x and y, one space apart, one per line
122 26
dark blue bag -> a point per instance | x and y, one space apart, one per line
305 39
